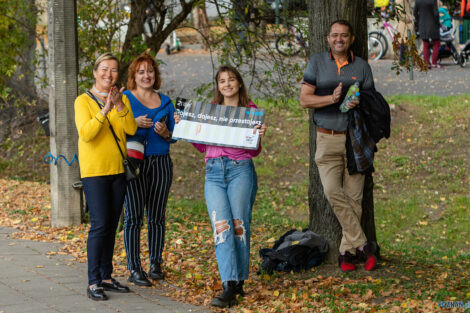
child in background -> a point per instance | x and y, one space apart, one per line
444 16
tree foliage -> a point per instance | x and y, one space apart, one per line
242 37
17 21
126 31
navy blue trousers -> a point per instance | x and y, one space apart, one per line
104 196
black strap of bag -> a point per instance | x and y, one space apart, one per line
131 170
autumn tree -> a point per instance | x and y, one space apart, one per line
322 218
17 45
126 32
201 23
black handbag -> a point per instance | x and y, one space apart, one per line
131 168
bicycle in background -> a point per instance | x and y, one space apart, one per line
375 48
292 42
380 33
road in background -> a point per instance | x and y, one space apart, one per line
183 73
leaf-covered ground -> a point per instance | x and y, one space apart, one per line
422 206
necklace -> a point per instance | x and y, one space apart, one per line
103 94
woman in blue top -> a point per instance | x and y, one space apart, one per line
151 143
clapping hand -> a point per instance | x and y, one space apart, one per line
337 93
107 107
115 96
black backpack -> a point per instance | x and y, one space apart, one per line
294 251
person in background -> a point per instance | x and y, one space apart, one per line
444 16
465 15
154 117
230 190
102 170
405 23
427 19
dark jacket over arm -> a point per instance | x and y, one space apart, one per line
367 124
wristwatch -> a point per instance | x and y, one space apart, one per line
169 136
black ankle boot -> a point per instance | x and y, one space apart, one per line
155 271
228 297
139 278
239 288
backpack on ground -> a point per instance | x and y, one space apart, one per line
294 251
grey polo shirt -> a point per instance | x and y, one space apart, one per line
325 73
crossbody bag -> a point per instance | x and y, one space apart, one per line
131 169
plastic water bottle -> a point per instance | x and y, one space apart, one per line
352 95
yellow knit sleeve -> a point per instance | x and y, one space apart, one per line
88 122
127 118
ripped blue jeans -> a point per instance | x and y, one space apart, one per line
230 191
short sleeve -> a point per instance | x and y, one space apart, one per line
310 74
368 78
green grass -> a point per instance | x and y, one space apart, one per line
421 197
422 212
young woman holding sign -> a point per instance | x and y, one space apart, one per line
230 190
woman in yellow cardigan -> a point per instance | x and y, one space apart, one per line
102 170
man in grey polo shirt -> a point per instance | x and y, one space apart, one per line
326 81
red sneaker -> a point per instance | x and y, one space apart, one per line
368 255
345 262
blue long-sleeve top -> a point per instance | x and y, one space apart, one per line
154 143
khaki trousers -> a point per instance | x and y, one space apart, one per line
343 191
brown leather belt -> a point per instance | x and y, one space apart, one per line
330 131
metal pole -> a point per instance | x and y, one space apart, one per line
276 4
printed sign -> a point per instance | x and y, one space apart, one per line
218 125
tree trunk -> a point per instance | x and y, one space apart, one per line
201 23
322 219
65 202
161 30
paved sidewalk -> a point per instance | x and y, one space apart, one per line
31 281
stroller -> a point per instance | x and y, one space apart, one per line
447 48
464 53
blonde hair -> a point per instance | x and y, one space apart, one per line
104 57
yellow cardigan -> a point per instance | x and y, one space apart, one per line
98 153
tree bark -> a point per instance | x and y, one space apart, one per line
322 219
160 32
65 202
201 23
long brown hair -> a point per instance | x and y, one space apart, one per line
243 99
134 67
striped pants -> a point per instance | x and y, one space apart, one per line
149 191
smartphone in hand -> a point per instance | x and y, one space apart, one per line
163 119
